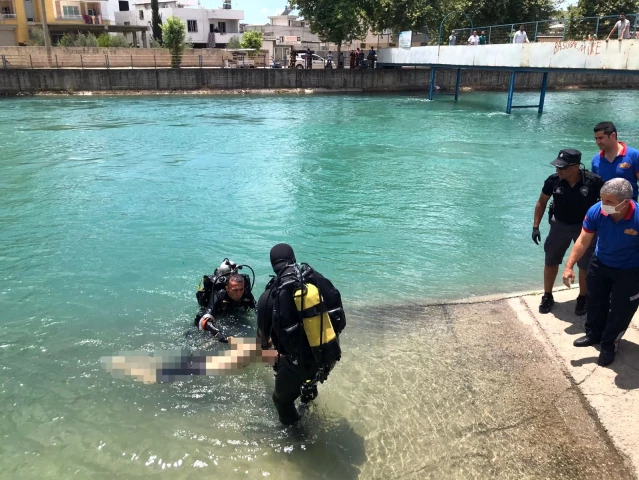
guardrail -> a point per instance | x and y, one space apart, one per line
99 61
561 29
8 16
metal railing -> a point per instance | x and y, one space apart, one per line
122 61
8 16
559 29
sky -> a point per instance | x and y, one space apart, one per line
255 11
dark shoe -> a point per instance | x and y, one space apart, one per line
580 308
585 341
606 358
547 301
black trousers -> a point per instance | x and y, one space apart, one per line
288 382
613 298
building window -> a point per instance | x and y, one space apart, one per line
221 26
127 23
191 25
6 11
91 12
141 14
124 5
70 11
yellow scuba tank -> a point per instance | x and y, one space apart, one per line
317 324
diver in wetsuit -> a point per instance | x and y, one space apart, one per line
300 314
226 290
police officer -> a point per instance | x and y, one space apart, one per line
613 275
298 369
234 295
573 191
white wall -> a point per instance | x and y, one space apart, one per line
596 55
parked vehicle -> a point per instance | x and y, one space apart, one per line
318 62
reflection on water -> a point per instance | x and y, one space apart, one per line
110 215
422 392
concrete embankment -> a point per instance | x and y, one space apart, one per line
611 393
31 81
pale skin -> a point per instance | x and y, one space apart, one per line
572 176
586 237
242 353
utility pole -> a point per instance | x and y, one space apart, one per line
45 27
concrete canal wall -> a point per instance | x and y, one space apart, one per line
29 81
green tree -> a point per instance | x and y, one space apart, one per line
156 21
335 21
234 42
252 39
173 36
402 15
596 8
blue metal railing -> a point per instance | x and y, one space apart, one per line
558 29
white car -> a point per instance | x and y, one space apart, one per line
300 61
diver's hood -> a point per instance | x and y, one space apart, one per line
281 255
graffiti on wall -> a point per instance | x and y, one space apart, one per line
588 48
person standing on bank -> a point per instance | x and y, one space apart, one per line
616 159
573 192
613 275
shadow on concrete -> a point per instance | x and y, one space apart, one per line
584 361
626 365
565 311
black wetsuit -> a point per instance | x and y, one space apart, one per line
220 303
297 363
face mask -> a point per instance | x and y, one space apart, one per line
610 209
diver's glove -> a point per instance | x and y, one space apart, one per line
536 235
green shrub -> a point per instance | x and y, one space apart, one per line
36 37
234 42
104 40
119 41
173 36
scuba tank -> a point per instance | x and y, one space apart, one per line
317 324
309 325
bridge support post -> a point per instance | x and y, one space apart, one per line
457 84
431 85
542 97
511 92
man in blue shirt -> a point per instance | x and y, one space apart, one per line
613 275
616 159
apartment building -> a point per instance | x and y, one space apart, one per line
206 28
62 16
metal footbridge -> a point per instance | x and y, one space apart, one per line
592 56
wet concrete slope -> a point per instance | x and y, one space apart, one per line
467 391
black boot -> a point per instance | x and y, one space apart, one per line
580 308
606 358
547 301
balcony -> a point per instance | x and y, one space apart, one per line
225 14
225 37
74 11
7 10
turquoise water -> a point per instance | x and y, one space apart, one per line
112 209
